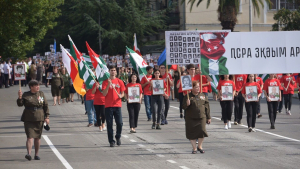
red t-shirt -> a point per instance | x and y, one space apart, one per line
89 95
226 83
99 99
285 80
204 80
279 76
112 99
165 80
180 87
165 85
209 88
134 85
240 80
259 91
146 88
259 81
298 81
271 82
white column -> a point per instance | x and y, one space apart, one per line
250 15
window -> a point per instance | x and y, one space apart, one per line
287 4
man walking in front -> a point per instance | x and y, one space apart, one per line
113 90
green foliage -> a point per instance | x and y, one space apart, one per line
120 19
287 19
22 23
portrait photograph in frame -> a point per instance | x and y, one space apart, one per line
133 94
251 93
227 93
19 73
50 74
158 87
274 93
186 82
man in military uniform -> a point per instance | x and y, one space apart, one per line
36 112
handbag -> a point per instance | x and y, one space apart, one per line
46 126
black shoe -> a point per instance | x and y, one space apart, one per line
272 127
259 116
37 158
112 144
149 119
153 126
158 127
85 113
118 141
181 115
28 157
201 150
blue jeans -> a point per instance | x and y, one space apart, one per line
90 109
110 114
147 100
206 94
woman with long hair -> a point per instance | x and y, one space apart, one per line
180 93
288 84
226 105
133 108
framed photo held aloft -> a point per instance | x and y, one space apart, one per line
227 93
50 74
158 87
19 73
133 95
186 82
119 63
251 94
274 93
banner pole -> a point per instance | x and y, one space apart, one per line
19 84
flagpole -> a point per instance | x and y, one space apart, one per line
167 80
200 79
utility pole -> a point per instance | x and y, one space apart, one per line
100 41
250 15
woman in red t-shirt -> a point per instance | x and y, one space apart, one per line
251 106
226 105
99 105
180 93
288 82
133 108
156 101
272 105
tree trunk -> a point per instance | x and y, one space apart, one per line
228 17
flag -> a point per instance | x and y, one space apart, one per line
138 63
212 60
72 68
162 61
100 67
135 47
214 83
264 76
85 73
54 46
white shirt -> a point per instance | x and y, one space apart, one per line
6 68
29 63
1 68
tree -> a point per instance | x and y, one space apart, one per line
22 23
287 20
228 10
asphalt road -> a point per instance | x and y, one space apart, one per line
70 144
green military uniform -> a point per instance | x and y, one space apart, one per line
196 115
56 83
34 114
66 91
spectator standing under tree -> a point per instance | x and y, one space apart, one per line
39 71
65 93
33 71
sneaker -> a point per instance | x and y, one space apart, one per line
153 126
249 129
37 158
289 112
158 127
28 157
253 130
90 125
100 129
277 112
259 116
229 125
197 141
104 129
166 122
235 123
226 127
118 141
272 127
162 122
149 119
112 144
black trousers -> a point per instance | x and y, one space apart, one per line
272 109
100 114
238 107
6 79
180 101
226 110
258 106
288 101
1 80
133 112
251 109
299 95
156 107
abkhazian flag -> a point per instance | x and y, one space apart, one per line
135 47
85 73
214 83
212 60
72 68
138 63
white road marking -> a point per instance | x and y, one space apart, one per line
56 152
277 135
160 155
141 145
150 150
125 136
172 161
184 167
132 140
